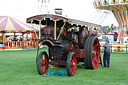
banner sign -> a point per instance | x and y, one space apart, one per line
117 48
113 2
123 1
105 2
99 3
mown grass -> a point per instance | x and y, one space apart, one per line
19 67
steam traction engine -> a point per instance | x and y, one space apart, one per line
68 42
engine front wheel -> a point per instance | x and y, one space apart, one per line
71 64
42 63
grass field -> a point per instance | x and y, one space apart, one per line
19 67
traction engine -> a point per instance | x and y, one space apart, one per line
68 41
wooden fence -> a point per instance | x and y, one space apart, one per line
19 44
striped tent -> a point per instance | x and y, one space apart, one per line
10 24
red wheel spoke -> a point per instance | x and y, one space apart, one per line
97 53
95 46
43 68
72 61
71 69
42 58
42 63
71 64
94 64
95 60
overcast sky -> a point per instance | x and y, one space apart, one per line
22 9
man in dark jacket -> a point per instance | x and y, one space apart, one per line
106 58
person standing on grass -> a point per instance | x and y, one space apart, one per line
106 57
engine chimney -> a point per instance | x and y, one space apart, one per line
58 11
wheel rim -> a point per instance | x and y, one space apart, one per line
73 64
95 53
44 63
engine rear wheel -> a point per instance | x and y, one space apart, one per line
42 62
92 52
71 64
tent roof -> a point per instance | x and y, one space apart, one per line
10 24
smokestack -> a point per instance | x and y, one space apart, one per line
58 11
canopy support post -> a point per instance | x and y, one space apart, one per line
34 30
22 36
22 40
27 36
14 36
3 40
62 28
40 29
3 37
55 30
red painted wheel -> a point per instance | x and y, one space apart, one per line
42 62
92 52
71 64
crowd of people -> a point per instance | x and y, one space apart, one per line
14 39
